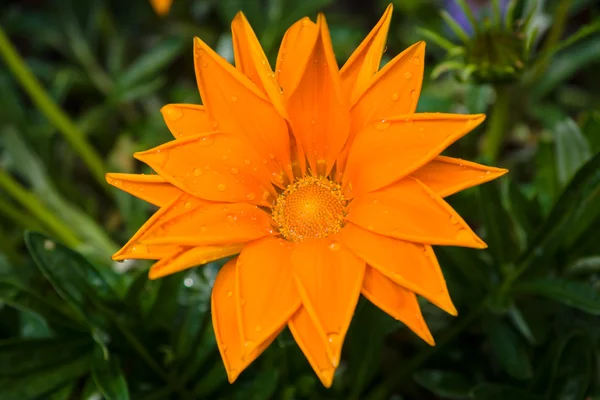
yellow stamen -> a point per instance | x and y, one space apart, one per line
310 208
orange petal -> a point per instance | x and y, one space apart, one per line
364 62
309 340
252 61
161 7
294 54
395 147
329 278
396 301
189 258
446 175
267 295
151 188
409 210
394 90
134 248
213 224
318 109
236 106
217 167
411 265
186 120
225 324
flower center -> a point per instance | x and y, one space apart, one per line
310 208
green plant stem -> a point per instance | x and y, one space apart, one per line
20 218
558 27
381 392
50 109
35 207
498 124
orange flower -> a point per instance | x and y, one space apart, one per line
325 181
161 7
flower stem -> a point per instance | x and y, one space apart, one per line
50 109
35 207
498 124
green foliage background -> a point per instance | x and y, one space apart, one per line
81 87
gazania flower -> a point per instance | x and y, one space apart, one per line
161 7
324 181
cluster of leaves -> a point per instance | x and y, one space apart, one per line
75 326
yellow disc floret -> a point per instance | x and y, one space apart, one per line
310 208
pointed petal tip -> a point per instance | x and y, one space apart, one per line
326 377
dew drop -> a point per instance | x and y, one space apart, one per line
221 187
416 61
206 140
197 172
188 204
235 170
408 75
246 162
375 201
333 337
382 125
229 293
335 246
214 124
225 157
203 229
413 94
395 96
173 113
454 220
49 245
250 196
233 98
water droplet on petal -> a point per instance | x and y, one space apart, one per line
407 75
197 172
234 170
395 96
221 187
246 162
454 220
206 140
229 293
416 61
382 125
203 229
233 98
173 113
335 246
187 204
250 196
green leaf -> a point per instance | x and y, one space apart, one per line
509 349
109 378
448 385
22 356
73 278
567 215
489 391
572 150
150 64
584 265
35 384
367 332
64 393
500 234
571 293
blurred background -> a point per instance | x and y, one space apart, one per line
81 85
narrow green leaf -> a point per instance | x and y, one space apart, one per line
509 349
488 391
466 9
585 265
500 233
22 356
73 278
455 27
571 293
572 150
448 385
109 378
437 39
63 393
150 63
33 385
518 320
